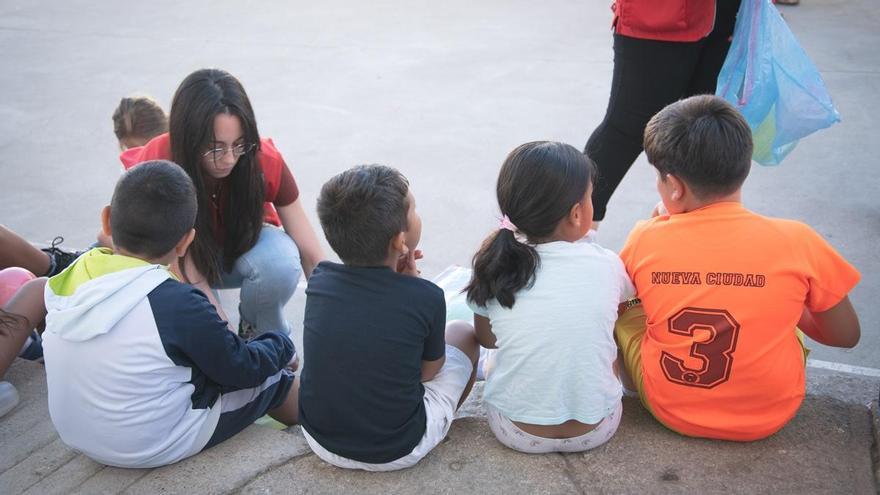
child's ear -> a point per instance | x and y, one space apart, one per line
575 216
678 187
105 222
183 244
398 244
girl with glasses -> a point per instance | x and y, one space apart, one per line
252 230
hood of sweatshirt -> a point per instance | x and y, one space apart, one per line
89 297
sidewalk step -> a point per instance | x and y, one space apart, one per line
825 449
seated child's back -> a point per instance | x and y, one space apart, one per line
547 301
724 288
380 386
140 368
382 324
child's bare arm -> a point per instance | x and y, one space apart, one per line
483 329
838 326
431 368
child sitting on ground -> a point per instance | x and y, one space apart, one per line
380 383
548 303
141 371
724 288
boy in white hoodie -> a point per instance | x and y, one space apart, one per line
141 371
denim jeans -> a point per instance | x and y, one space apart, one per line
267 276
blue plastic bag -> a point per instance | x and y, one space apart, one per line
772 81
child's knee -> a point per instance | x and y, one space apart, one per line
27 304
288 411
13 328
461 335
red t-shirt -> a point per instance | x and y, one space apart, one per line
664 20
723 289
280 186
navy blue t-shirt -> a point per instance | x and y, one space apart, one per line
366 332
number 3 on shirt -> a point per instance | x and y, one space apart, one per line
716 352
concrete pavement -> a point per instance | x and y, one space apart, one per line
442 91
827 448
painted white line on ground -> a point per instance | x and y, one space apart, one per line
844 368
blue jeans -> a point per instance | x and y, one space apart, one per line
267 276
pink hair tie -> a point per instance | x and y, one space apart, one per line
506 224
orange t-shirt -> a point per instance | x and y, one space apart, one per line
723 289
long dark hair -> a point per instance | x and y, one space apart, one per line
202 96
537 187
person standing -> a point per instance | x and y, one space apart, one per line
664 50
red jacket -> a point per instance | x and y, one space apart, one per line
269 158
664 20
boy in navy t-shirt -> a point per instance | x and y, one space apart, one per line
384 374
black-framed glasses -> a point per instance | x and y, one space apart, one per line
237 150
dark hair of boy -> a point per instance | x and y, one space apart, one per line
538 184
139 117
702 140
361 210
153 207
198 100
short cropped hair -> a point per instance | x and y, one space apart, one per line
361 210
139 117
153 207
702 140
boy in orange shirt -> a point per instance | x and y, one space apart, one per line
713 350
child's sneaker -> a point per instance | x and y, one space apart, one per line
8 398
246 330
32 350
59 259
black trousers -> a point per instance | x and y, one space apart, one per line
648 75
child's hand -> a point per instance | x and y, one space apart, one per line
407 263
293 365
659 209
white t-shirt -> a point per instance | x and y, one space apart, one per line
556 345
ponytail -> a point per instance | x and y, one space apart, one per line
538 184
502 267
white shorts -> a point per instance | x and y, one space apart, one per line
442 394
513 437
